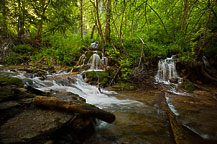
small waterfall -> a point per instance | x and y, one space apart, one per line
167 72
168 76
94 45
94 61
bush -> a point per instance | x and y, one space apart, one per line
63 50
23 49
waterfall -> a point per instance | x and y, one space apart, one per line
94 45
167 71
94 61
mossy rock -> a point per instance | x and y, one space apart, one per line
6 93
188 85
124 86
4 80
104 77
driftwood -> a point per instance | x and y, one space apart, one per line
70 106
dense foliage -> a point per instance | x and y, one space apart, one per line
55 32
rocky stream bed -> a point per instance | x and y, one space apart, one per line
153 115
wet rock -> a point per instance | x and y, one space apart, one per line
174 80
8 105
68 96
36 91
26 101
4 80
197 113
32 125
65 80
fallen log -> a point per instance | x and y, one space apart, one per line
72 106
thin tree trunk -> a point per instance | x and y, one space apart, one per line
185 14
158 17
81 18
122 20
99 24
40 25
125 50
92 33
108 17
19 18
4 14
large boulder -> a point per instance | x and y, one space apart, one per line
32 125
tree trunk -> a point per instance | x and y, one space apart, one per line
99 24
185 14
76 107
4 14
81 18
92 33
40 25
108 17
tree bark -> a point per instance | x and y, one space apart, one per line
70 106
40 25
185 14
4 14
92 33
81 18
108 17
99 24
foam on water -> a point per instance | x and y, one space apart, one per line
171 107
101 98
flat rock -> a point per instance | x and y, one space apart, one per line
197 112
32 124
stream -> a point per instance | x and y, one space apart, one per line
160 115
140 117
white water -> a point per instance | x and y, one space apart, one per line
166 75
94 61
94 44
167 71
101 99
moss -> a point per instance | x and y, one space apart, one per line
30 95
11 81
23 48
188 85
5 92
103 77
84 103
124 86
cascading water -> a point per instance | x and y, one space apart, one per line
94 45
167 71
94 61
168 76
89 92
